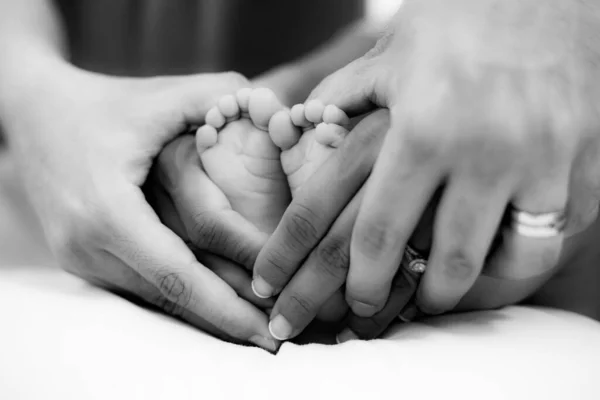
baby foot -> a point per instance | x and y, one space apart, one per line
240 158
307 135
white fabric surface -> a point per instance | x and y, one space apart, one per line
63 339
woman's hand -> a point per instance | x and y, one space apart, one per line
196 209
497 108
85 143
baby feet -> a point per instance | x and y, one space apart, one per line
307 135
241 159
251 144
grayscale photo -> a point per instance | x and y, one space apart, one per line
299 199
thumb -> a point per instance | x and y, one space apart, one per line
187 289
355 88
192 96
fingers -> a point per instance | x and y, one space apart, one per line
188 290
407 172
323 273
235 276
317 205
467 220
522 257
403 289
203 208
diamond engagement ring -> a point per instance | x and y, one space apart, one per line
413 261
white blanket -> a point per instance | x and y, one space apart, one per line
63 339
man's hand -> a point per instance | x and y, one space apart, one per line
85 144
493 103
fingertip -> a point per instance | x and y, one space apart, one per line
280 328
426 305
264 342
345 336
261 288
362 309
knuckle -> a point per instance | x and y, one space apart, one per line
421 146
204 231
175 290
458 266
301 227
275 267
333 256
375 237
300 305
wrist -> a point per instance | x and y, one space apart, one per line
27 82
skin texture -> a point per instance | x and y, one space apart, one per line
87 143
479 130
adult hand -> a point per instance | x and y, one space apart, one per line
86 143
497 115
307 258
193 207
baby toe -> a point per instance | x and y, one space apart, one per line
298 116
228 105
333 115
243 98
282 130
206 137
214 118
330 135
262 105
314 110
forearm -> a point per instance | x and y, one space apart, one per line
33 47
294 81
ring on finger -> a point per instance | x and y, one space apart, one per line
413 261
537 225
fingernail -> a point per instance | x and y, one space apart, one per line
408 314
362 309
265 343
261 288
280 328
345 336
